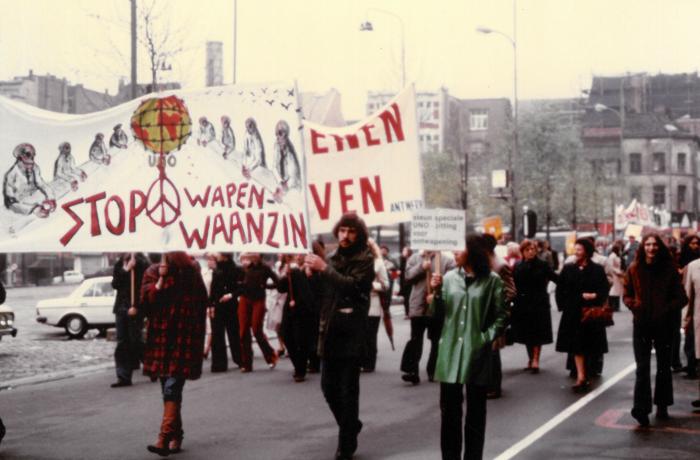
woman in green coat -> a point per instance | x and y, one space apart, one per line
472 298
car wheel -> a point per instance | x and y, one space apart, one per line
75 326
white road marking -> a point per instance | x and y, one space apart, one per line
530 439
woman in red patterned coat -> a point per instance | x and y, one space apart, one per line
175 299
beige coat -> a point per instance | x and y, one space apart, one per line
691 280
613 269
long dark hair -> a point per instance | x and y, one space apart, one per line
477 257
663 256
687 255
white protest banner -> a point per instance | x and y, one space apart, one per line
438 230
371 167
219 169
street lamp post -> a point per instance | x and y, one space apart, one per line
514 152
368 27
601 108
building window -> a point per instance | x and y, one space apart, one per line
478 119
427 104
420 104
681 197
635 163
659 162
659 195
681 162
636 193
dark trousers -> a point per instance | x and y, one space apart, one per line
689 348
660 336
250 315
224 324
314 359
298 337
171 387
451 433
496 377
129 350
614 302
340 382
410 359
676 341
369 360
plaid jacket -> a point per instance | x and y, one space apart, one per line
176 323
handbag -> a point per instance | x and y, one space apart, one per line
597 315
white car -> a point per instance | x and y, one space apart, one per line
7 321
90 305
69 277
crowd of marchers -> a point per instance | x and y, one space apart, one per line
327 310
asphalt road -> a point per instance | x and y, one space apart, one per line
40 350
264 415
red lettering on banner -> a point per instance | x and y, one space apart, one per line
218 196
298 230
315 148
393 132
94 218
220 227
368 135
254 228
369 189
200 239
230 193
258 195
324 208
285 230
65 239
271 234
235 223
338 142
353 141
392 123
198 199
135 210
375 194
241 194
345 196
119 228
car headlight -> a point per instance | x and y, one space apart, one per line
3 321
10 319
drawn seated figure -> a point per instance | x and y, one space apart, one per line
98 150
24 190
64 168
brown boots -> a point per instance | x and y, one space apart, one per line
170 436
175 445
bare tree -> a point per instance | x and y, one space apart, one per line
161 39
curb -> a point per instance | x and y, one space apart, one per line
54 376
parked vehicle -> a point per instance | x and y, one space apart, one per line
88 306
7 321
69 277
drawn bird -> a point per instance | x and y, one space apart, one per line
270 101
286 106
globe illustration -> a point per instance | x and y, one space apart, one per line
162 124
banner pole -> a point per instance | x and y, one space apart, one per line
305 178
133 284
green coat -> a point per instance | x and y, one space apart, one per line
474 317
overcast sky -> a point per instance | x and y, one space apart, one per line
561 43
